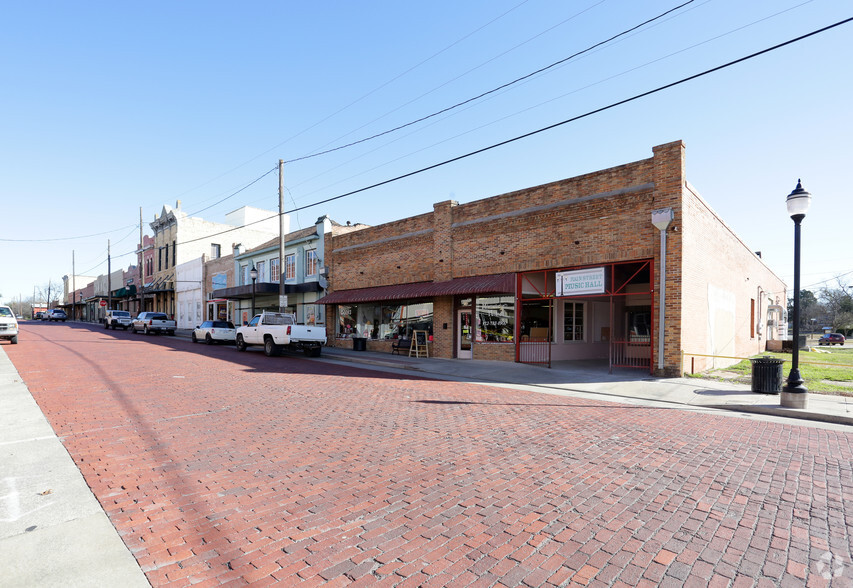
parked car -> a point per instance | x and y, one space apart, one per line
41 315
214 331
57 314
831 339
277 331
117 319
153 322
8 325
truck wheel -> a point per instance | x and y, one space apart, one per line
14 340
239 343
194 338
208 339
312 351
146 331
106 326
270 348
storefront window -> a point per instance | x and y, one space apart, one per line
377 321
573 322
496 319
535 321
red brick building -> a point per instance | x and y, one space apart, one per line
627 265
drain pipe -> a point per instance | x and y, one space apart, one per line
661 219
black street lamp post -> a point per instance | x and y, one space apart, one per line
794 393
254 274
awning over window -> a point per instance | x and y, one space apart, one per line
125 292
494 284
264 289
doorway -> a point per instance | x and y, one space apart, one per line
464 335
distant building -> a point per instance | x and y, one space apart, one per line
179 238
231 292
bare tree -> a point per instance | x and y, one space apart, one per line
838 304
51 292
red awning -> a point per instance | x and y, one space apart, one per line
494 284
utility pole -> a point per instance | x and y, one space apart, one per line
73 288
282 297
109 282
140 261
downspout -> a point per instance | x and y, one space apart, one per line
661 219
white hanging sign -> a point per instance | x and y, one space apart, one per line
579 282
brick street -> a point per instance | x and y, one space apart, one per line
219 467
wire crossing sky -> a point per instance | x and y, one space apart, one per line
100 122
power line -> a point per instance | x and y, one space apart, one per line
357 100
493 90
547 128
255 181
539 105
68 238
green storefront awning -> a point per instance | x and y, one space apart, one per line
124 292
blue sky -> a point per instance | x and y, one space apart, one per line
108 107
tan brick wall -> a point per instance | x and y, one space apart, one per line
222 265
721 279
597 218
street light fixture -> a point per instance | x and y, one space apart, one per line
254 275
794 393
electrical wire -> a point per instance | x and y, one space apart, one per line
68 238
357 100
547 128
255 181
488 92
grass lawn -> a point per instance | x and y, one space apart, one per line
828 371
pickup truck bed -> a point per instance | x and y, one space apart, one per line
278 331
153 322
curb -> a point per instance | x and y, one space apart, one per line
791 413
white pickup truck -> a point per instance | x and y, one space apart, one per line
153 322
277 331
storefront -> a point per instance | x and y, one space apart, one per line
624 267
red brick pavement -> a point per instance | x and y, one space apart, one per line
219 467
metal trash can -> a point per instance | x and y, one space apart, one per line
359 343
767 375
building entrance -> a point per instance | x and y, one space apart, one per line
599 312
464 335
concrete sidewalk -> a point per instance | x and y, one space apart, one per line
53 532
629 386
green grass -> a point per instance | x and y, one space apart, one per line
830 377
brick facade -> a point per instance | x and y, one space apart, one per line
598 218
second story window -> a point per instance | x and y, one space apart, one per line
275 270
261 266
215 251
247 279
159 259
311 262
290 266
167 256
174 253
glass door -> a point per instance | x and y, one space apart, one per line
465 335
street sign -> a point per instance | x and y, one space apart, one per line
103 302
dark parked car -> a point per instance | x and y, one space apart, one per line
831 339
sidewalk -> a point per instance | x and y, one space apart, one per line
53 532
629 386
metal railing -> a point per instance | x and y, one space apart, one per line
632 353
535 351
